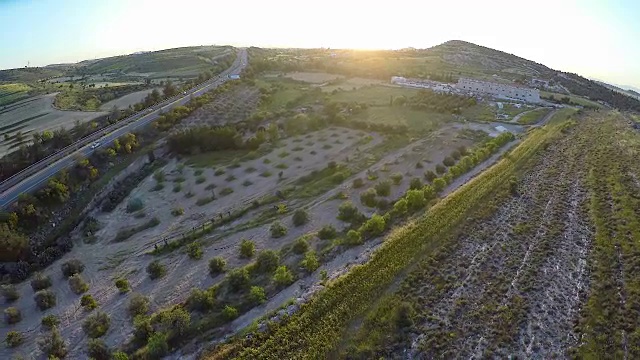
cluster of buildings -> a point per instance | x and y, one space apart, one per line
474 87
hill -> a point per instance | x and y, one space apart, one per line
26 75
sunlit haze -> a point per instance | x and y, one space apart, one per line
596 39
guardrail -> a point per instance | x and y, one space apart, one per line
78 144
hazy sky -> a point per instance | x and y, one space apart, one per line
593 38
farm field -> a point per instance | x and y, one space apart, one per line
36 114
373 95
416 120
573 98
10 93
125 101
532 116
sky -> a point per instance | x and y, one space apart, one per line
594 38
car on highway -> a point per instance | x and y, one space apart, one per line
95 145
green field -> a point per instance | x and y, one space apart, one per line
533 116
373 95
573 98
479 112
13 92
416 120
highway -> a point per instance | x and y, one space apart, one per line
37 174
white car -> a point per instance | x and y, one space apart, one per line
95 145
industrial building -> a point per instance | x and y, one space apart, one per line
505 91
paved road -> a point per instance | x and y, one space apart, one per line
36 180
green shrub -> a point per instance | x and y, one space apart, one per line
300 217
415 184
257 295
45 299
439 184
119 355
156 270
157 347
158 176
266 161
189 194
247 183
72 267
134 205
177 211
14 339
368 197
12 315
266 173
300 246
419 165
177 188
210 187
338 177
400 207
219 172
382 204
122 285
448 161
194 250
159 186
96 325
383 188
375 226
217 265
278 230
230 178
10 293
282 166
267 261
238 279
282 276
49 321
201 300
226 191
98 350
440 169
430 176
348 212
229 312
88 302
200 179
310 262
358 183
138 305
142 328
77 284
40 282
283 154
52 344
247 248
396 178
327 232
415 199
353 238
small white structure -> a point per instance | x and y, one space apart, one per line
505 91
501 129
422 84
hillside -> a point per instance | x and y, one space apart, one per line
25 75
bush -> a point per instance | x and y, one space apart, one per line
283 276
348 212
439 184
400 207
257 295
96 325
353 238
448 161
53 345
50 321
201 300
119 355
177 188
134 205
40 282
310 262
456 154
12 315
177 211
226 191
157 347
14 339
415 184
10 293
278 230
88 302
383 188
300 246
358 183
419 165
327 232
200 179
45 299
194 250
375 226
77 284
229 312
238 279
247 249
267 261
396 178
368 197
138 305
98 350
123 285
217 265
142 328
430 176
440 169
300 217
382 204
72 267
158 176
156 270
415 199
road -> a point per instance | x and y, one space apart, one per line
35 180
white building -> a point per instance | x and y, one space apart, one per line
498 90
421 84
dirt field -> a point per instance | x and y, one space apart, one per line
352 83
125 101
36 114
313 77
